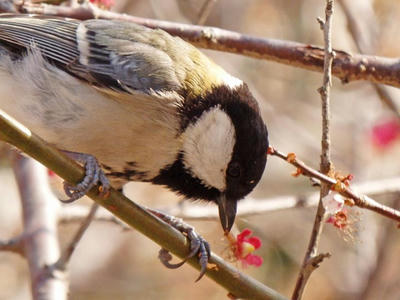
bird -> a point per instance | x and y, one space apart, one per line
138 103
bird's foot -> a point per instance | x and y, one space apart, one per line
93 175
198 245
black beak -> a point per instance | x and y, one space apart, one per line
227 212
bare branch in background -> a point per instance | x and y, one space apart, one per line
363 38
40 229
76 213
364 28
205 11
362 23
312 259
376 281
251 207
15 245
246 208
347 67
66 255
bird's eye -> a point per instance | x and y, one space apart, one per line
233 169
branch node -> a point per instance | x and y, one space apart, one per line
321 23
315 261
209 35
322 91
15 245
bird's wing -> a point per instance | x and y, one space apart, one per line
112 54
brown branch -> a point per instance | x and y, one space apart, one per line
347 67
306 270
325 90
359 200
40 229
312 259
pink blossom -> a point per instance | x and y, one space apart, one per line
339 220
245 246
385 133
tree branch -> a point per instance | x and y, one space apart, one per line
133 214
40 229
246 208
205 11
76 213
309 262
347 67
362 39
251 207
376 280
357 199
66 255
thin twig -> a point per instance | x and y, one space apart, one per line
15 245
347 67
205 11
359 200
312 259
76 213
66 255
306 270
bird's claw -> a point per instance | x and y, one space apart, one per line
201 247
198 245
165 258
93 175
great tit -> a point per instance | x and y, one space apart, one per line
149 106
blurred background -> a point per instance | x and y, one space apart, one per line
110 263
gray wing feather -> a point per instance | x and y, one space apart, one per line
55 38
133 55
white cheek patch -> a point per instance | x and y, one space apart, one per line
208 146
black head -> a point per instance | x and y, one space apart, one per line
224 152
